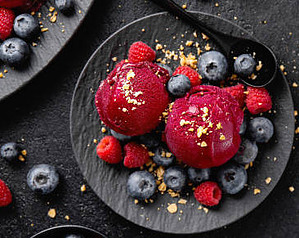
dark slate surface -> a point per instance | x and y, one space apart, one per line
39 115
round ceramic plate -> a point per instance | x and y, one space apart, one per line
62 231
109 182
50 44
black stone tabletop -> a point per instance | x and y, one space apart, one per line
38 117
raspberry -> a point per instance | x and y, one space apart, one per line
237 92
7 17
258 100
140 51
208 193
194 77
23 5
5 195
135 155
109 149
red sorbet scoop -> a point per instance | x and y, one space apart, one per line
203 127
132 98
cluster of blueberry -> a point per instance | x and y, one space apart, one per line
41 178
213 67
15 51
231 177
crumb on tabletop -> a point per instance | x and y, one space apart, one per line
184 6
52 213
295 85
83 188
67 217
291 189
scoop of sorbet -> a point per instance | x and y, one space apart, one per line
203 127
132 98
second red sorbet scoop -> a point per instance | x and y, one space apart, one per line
132 98
203 128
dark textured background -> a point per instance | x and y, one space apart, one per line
39 115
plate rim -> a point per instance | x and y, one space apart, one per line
66 226
35 75
115 33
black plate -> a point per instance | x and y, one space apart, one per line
50 44
109 182
62 231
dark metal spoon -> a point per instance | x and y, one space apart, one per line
232 46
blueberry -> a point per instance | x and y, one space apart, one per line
199 175
247 152
10 151
212 65
119 136
150 140
244 65
26 26
165 66
14 51
42 178
65 6
260 129
178 85
73 236
141 185
232 178
163 157
175 178
243 127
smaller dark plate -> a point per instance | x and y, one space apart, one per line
62 231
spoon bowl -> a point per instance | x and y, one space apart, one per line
265 58
233 46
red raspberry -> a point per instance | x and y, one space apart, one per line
208 193
194 77
5 195
109 149
23 5
140 51
237 92
135 155
258 100
7 17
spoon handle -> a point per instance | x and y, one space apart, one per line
223 40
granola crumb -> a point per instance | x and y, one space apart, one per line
282 67
136 201
295 85
67 217
44 29
268 180
114 59
83 188
54 17
103 130
52 213
291 189
206 210
182 201
184 6
295 113
256 191
172 208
